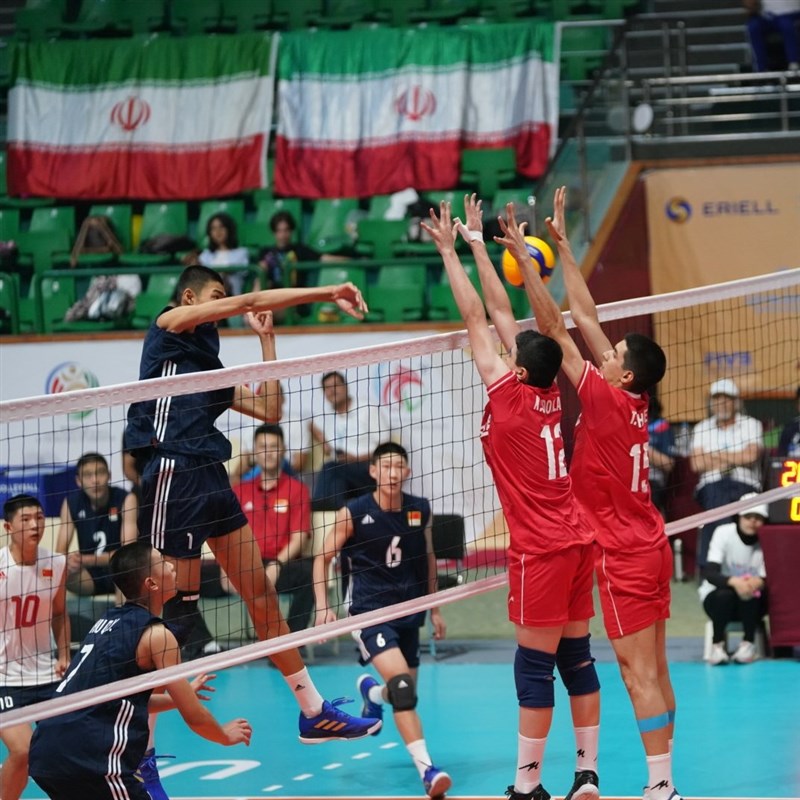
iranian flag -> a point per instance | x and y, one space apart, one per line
152 119
372 112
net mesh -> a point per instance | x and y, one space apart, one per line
424 393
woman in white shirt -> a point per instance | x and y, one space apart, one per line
223 249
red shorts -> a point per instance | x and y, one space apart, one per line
551 589
634 588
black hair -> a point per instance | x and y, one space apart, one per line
333 374
196 278
645 359
229 223
389 449
18 501
90 458
269 428
282 216
654 407
129 566
540 355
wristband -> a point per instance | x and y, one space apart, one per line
475 236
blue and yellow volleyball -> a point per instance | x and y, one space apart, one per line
542 258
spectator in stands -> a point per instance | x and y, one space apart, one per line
773 16
278 509
277 261
734 586
223 249
348 433
725 453
789 444
95 513
662 454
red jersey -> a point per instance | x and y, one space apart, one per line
610 465
521 436
276 514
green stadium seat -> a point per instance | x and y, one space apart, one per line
505 10
345 13
159 291
378 206
120 219
146 16
296 14
380 238
5 71
9 224
327 231
504 196
488 168
9 304
268 207
329 313
39 23
56 297
234 208
99 15
158 218
245 16
449 10
398 295
54 218
195 17
401 13
43 249
441 305
582 51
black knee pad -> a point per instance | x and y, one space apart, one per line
576 666
402 692
180 614
533 677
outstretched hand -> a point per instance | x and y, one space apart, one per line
442 229
556 224
513 236
237 731
261 322
474 216
348 297
201 684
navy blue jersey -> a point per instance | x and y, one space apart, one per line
387 554
99 529
108 738
180 424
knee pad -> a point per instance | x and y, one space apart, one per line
533 676
576 666
180 615
402 692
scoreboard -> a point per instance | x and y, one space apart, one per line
784 472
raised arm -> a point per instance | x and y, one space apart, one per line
339 532
484 350
581 302
266 403
497 303
548 315
183 318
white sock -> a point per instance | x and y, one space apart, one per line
586 745
419 754
659 784
304 691
375 695
529 763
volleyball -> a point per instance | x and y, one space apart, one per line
542 258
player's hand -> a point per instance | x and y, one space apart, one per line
62 664
439 626
261 322
474 216
74 562
324 616
201 684
442 229
513 237
273 570
237 731
348 297
556 224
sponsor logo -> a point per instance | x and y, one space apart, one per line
130 114
678 209
367 520
70 376
529 767
416 103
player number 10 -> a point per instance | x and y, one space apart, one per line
641 462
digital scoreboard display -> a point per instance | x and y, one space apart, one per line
784 472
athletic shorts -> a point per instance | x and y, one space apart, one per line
378 638
12 697
92 787
634 588
550 589
185 501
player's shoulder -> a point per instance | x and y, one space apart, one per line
416 501
117 495
362 504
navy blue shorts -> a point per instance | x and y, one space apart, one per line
379 638
185 501
92 787
12 697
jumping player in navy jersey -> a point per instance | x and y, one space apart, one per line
550 552
386 538
633 559
107 740
186 498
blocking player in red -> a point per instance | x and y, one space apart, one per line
609 468
550 553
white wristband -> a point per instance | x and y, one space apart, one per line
475 236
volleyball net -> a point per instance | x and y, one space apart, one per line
426 395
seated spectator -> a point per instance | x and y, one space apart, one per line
348 433
789 444
95 512
661 453
223 250
725 453
734 588
773 16
278 510
277 262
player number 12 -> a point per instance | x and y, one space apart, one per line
641 462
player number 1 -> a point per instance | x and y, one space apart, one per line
641 461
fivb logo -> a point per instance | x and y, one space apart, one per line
401 387
70 376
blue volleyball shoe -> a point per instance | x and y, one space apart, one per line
333 724
369 709
436 782
147 773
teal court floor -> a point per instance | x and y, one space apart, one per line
738 736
